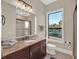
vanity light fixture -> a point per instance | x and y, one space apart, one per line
24 6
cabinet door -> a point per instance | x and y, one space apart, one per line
26 54
35 51
21 54
43 49
4 57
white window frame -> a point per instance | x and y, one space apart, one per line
62 39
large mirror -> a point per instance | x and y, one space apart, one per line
23 27
25 24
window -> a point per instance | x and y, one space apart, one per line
27 27
26 24
55 26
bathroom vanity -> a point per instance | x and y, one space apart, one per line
34 49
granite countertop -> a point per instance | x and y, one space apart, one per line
19 45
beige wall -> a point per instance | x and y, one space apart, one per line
9 29
67 5
38 10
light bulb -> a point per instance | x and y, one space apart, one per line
30 10
18 5
23 6
27 8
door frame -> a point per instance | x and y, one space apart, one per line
75 33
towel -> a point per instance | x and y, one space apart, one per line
8 42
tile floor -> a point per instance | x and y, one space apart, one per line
59 55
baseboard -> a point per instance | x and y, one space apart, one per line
64 50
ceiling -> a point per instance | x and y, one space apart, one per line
46 2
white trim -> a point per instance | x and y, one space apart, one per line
57 41
35 25
61 9
47 22
64 50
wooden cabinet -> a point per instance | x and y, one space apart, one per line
43 49
20 54
38 51
35 51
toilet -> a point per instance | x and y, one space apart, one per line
51 49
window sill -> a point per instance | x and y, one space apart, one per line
55 40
